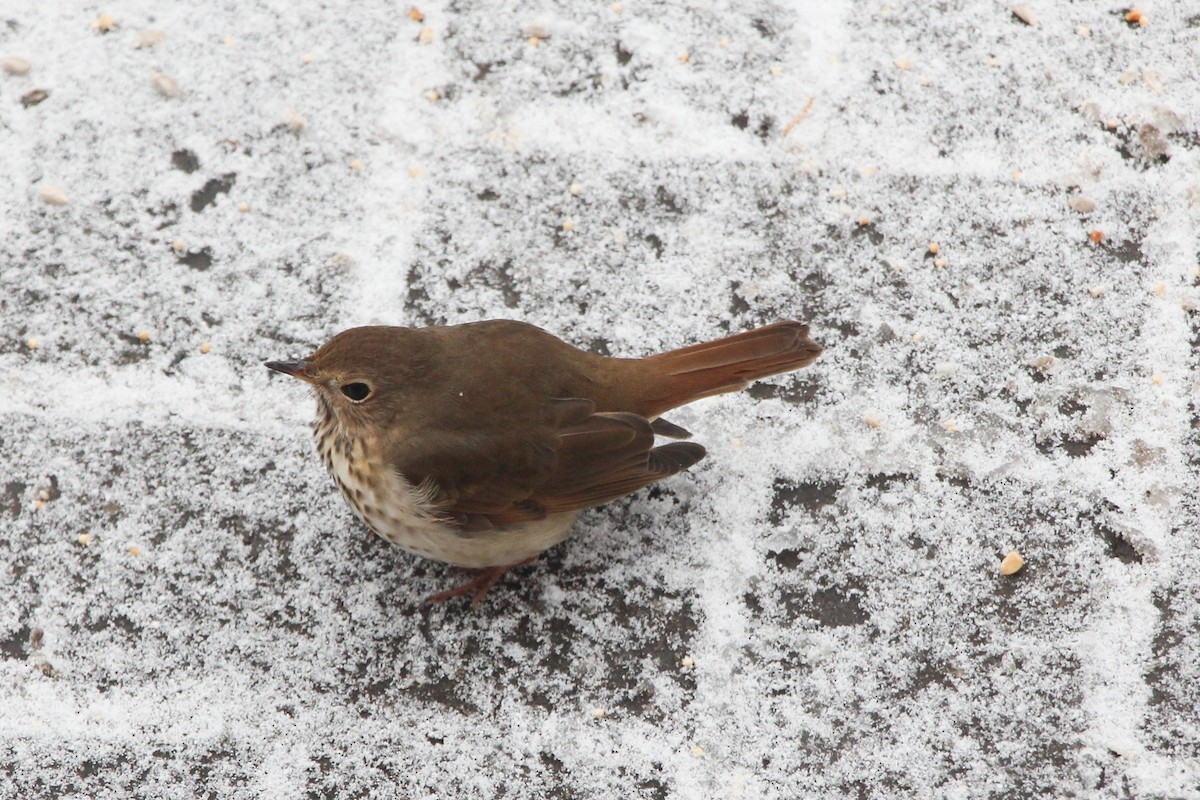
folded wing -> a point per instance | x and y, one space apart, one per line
573 458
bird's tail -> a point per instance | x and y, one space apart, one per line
726 365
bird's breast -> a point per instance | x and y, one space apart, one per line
391 506
409 517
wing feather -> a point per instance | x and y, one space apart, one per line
575 458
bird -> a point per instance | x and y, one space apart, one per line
479 444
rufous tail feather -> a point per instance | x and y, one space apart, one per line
726 365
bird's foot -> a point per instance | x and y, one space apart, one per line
485 578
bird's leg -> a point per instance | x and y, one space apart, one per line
485 578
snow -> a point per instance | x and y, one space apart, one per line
190 609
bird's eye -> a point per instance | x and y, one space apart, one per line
356 391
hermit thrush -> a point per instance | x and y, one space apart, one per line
479 444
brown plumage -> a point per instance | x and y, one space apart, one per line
479 444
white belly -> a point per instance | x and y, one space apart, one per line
407 516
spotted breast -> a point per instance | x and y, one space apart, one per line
409 517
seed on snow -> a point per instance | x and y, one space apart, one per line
1138 16
165 85
52 195
32 98
1082 205
149 38
1012 563
1023 12
104 23
14 65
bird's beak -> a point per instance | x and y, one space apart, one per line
297 369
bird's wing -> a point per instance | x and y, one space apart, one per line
571 459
